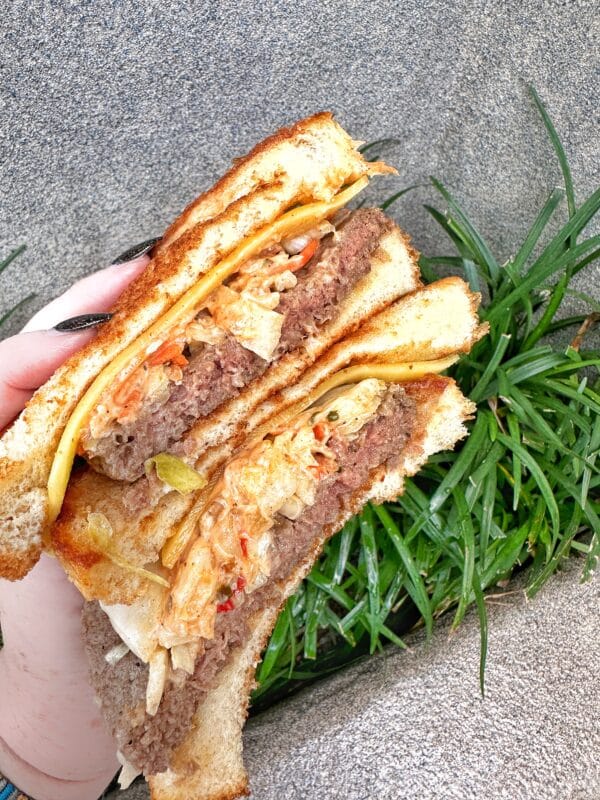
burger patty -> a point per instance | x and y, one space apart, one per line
146 741
217 373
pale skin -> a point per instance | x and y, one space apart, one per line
53 743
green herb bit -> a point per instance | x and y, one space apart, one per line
175 473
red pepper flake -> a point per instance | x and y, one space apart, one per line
244 545
226 606
229 605
320 431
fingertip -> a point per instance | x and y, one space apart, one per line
116 275
96 292
28 360
127 271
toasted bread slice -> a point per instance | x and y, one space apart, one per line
430 323
208 765
310 161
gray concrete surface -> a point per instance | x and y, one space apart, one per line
115 114
413 726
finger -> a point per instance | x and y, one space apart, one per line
96 292
27 361
30 358
39 784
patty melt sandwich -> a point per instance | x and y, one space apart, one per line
277 365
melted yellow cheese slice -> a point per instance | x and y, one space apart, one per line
289 224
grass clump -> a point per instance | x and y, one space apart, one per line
521 490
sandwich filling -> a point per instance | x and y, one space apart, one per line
266 516
270 307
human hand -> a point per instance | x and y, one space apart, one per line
53 745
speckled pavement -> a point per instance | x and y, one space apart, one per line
116 114
413 726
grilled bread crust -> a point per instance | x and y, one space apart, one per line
429 323
208 765
309 161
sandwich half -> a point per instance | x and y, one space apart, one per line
257 278
173 666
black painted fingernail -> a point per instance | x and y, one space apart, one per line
81 322
137 250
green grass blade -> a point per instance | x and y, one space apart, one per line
464 461
566 322
558 148
534 367
417 588
536 230
346 541
8 314
561 552
325 584
506 555
483 628
465 524
518 402
11 257
540 272
584 396
369 146
585 262
371 559
470 235
392 637
478 392
541 329
314 606
587 298
534 468
391 200
293 634
515 435
277 642
578 221
445 224
487 517
471 274
593 555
